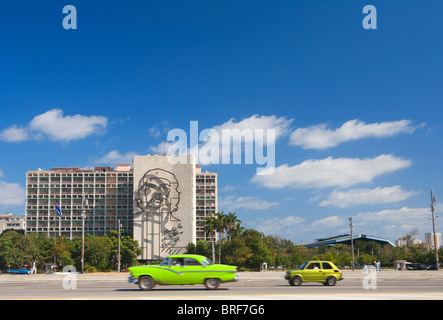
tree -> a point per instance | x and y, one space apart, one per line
299 254
129 249
365 259
17 249
190 248
236 252
97 252
60 252
260 246
232 223
202 248
210 228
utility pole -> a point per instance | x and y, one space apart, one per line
433 200
352 242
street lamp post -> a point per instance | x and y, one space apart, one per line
352 242
433 200
85 203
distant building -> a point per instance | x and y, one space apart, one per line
10 222
429 239
403 242
346 239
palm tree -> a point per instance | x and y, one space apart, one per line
238 229
222 223
221 226
232 223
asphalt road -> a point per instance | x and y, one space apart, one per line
251 286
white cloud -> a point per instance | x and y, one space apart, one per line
14 134
330 172
163 147
361 196
154 132
394 223
283 227
11 194
216 141
320 137
229 187
65 128
233 203
329 222
280 124
114 157
56 127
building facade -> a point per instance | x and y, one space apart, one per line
10 222
103 194
429 239
403 242
206 200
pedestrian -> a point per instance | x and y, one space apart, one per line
378 265
33 268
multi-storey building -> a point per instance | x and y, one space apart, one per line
164 208
102 193
206 199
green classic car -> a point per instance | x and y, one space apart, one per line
315 271
183 269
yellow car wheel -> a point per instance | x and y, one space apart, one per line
331 281
295 281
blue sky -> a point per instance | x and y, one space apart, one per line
359 111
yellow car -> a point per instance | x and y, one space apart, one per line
315 271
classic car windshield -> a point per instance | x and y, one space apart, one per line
206 262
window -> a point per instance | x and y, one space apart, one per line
191 262
313 266
166 262
177 262
327 265
207 262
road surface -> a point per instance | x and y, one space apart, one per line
385 285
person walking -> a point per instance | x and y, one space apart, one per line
33 268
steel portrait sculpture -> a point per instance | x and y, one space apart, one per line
157 198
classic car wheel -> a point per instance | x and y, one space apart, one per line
331 281
146 283
212 284
295 281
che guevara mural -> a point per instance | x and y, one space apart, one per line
164 206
